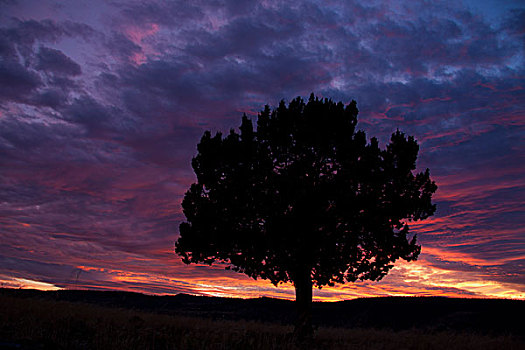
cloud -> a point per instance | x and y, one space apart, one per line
25 58
121 46
49 97
16 81
51 60
87 111
166 13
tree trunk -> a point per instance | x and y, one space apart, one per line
303 302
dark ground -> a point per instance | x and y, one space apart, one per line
484 316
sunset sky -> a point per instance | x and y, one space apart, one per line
102 104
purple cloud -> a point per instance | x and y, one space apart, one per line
51 60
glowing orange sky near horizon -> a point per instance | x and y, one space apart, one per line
406 279
411 279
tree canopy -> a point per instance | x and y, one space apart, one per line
304 197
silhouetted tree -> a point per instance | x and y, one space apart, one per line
304 199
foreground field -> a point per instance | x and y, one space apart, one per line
34 323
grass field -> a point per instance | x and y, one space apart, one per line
33 323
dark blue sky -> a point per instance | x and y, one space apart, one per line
102 105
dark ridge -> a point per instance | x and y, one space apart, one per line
486 316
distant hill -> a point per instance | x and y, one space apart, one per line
487 316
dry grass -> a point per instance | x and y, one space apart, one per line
45 324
